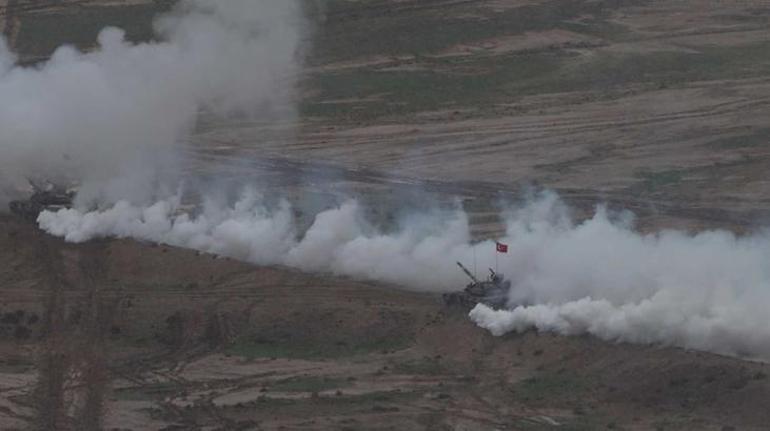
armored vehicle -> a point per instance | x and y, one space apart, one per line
49 198
492 292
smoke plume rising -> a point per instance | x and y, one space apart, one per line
111 119
708 291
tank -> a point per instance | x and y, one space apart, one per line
49 198
492 292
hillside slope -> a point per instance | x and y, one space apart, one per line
122 335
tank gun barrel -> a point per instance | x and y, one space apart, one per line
468 273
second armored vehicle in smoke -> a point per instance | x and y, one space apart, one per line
492 292
48 198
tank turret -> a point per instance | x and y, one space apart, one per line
492 292
43 198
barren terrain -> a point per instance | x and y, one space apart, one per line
123 335
660 107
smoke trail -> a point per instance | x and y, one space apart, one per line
708 291
421 254
111 118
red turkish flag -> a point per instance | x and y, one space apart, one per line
502 248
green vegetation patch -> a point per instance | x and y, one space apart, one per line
356 29
482 81
566 424
147 392
41 33
752 139
251 348
309 384
600 28
563 386
372 399
15 367
317 333
665 68
380 402
132 394
652 181
443 84
675 423
426 366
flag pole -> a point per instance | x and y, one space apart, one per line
496 253
475 274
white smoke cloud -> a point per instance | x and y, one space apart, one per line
111 118
339 241
7 59
708 291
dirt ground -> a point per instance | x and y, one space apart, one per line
659 107
124 335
